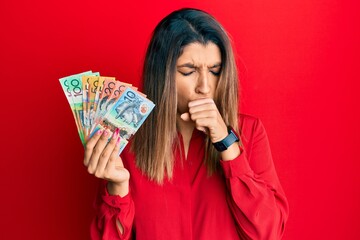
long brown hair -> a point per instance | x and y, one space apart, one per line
155 140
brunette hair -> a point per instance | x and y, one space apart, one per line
155 141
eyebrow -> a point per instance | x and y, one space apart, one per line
190 65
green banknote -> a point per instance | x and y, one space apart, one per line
73 89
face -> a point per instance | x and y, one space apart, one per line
197 73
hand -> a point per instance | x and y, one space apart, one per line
204 113
102 160
207 118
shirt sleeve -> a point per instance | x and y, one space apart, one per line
110 211
255 195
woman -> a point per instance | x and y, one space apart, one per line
199 169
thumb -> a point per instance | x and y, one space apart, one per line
185 117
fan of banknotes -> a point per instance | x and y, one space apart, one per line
99 102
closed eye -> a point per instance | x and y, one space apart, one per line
186 73
216 70
216 73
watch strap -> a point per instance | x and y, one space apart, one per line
227 141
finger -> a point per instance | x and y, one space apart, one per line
89 147
115 168
185 117
205 122
200 102
216 130
105 155
202 107
97 151
208 113
115 160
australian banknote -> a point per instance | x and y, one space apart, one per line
99 102
73 90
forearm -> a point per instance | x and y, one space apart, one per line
231 153
260 208
118 189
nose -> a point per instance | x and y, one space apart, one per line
203 83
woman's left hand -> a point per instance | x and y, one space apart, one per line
204 113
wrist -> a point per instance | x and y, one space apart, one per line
121 189
231 153
227 141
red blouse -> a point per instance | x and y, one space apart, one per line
243 200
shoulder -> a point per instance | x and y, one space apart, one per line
247 118
252 131
249 123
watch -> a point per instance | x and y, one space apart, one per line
227 141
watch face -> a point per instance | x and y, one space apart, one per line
220 146
226 142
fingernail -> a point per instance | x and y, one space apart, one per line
116 133
99 132
106 132
118 141
183 116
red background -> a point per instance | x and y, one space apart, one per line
300 76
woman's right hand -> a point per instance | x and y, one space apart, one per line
102 160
